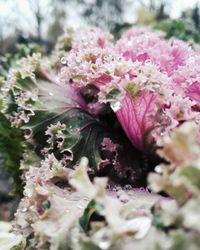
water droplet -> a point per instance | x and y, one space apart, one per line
23 210
28 177
104 244
27 192
27 133
63 60
85 198
117 188
32 76
127 187
124 198
158 169
116 106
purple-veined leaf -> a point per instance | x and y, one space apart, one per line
135 117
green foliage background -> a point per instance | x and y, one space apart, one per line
180 28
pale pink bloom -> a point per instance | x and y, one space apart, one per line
141 46
189 73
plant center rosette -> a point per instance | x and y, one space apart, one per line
112 148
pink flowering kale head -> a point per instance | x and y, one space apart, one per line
109 98
149 82
114 110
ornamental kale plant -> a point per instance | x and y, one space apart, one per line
112 155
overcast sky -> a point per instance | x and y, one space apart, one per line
12 10
180 5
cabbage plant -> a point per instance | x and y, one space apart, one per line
111 155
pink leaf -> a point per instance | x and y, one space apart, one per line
140 57
103 79
134 117
193 92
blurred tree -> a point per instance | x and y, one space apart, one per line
158 8
58 20
7 26
104 14
36 8
55 28
196 16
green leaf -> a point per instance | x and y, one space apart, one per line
11 150
82 136
36 104
84 220
11 139
92 209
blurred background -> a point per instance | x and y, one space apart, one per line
40 22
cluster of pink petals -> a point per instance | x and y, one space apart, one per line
91 48
149 45
158 80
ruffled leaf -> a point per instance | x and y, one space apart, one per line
37 106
